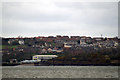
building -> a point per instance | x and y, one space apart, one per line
10 41
44 57
30 61
82 41
67 46
98 39
21 42
65 37
44 51
13 60
49 50
75 37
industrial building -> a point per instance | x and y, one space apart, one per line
43 57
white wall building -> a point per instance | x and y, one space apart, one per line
21 42
39 57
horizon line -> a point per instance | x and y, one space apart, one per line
56 36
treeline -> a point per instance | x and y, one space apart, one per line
103 57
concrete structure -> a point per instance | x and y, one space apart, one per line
39 57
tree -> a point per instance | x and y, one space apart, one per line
15 43
78 41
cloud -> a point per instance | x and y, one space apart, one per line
65 18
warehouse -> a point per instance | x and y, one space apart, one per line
43 57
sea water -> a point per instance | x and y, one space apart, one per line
60 71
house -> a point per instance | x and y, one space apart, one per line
49 50
57 50
82 41
21 42
58 36
10 41
44 51
13 60
67 46
115 44
98 39
71 42
65 37
75 37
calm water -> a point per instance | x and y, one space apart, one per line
60 72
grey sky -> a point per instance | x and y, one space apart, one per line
60 18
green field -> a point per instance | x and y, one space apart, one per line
0 46
10 46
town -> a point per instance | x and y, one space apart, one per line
64 50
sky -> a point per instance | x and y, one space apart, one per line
51 18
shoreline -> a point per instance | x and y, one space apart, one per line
32 64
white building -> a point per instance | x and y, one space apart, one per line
39 57
30 61
82 41
21 42
67 46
